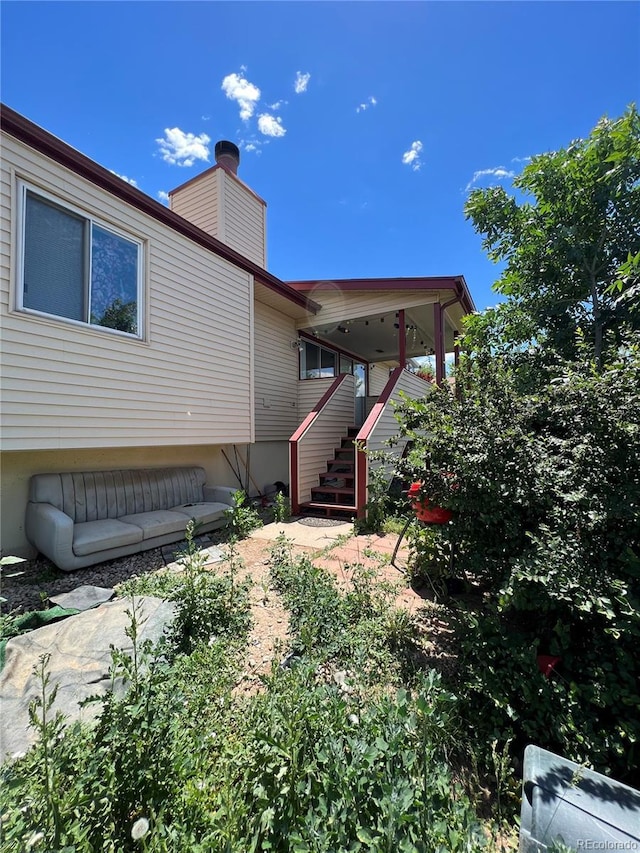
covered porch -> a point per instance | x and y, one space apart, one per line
361 349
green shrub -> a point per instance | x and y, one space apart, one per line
242 517
319 773
545 488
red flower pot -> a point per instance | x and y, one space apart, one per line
424 510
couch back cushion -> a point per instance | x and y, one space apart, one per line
94 495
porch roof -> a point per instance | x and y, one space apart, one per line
455 284
363 316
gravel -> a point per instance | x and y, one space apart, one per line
29 585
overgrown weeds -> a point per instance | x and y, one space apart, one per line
347 748
359 628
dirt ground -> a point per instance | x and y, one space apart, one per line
269 642
29 586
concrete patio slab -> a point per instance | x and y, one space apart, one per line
304 535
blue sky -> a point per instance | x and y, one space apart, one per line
361 124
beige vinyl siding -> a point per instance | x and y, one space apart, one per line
379 376
222 205
244 220
323 436
339 305
310 392
188 382
387 425
275 376
199 202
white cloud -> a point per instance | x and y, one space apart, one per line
520 159
124 178
247 95
498 172
183 149
277 105
270 125
412 156
163 196
301 82
370 102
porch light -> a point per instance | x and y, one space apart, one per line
344 330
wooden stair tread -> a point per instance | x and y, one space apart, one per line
320 505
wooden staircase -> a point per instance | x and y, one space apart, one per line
335 497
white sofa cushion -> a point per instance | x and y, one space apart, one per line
92 536
202 512
157 523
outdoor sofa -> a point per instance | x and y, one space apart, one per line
81 518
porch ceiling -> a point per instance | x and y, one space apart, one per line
375 337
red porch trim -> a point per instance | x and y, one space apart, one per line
299 434
438 342
402 339
456 283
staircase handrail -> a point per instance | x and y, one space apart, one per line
302 431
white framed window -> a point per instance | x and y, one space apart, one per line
74 267
317 362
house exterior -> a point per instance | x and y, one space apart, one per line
136 335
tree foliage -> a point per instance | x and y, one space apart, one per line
545 489
538 455
564 239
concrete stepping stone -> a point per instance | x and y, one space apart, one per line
83 597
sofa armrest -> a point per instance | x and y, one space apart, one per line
219 494
51 531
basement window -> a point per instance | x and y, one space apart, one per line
77 268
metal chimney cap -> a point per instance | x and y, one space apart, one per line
227 155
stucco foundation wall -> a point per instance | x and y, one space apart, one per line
17 467
269 462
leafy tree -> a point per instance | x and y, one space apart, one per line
538 456
118 315
565 244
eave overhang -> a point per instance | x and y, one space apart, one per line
65 155
456 284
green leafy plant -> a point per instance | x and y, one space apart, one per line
242 517
281 508
359 629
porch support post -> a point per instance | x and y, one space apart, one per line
438 341
402 339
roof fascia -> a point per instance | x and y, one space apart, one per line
456 283
50 146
